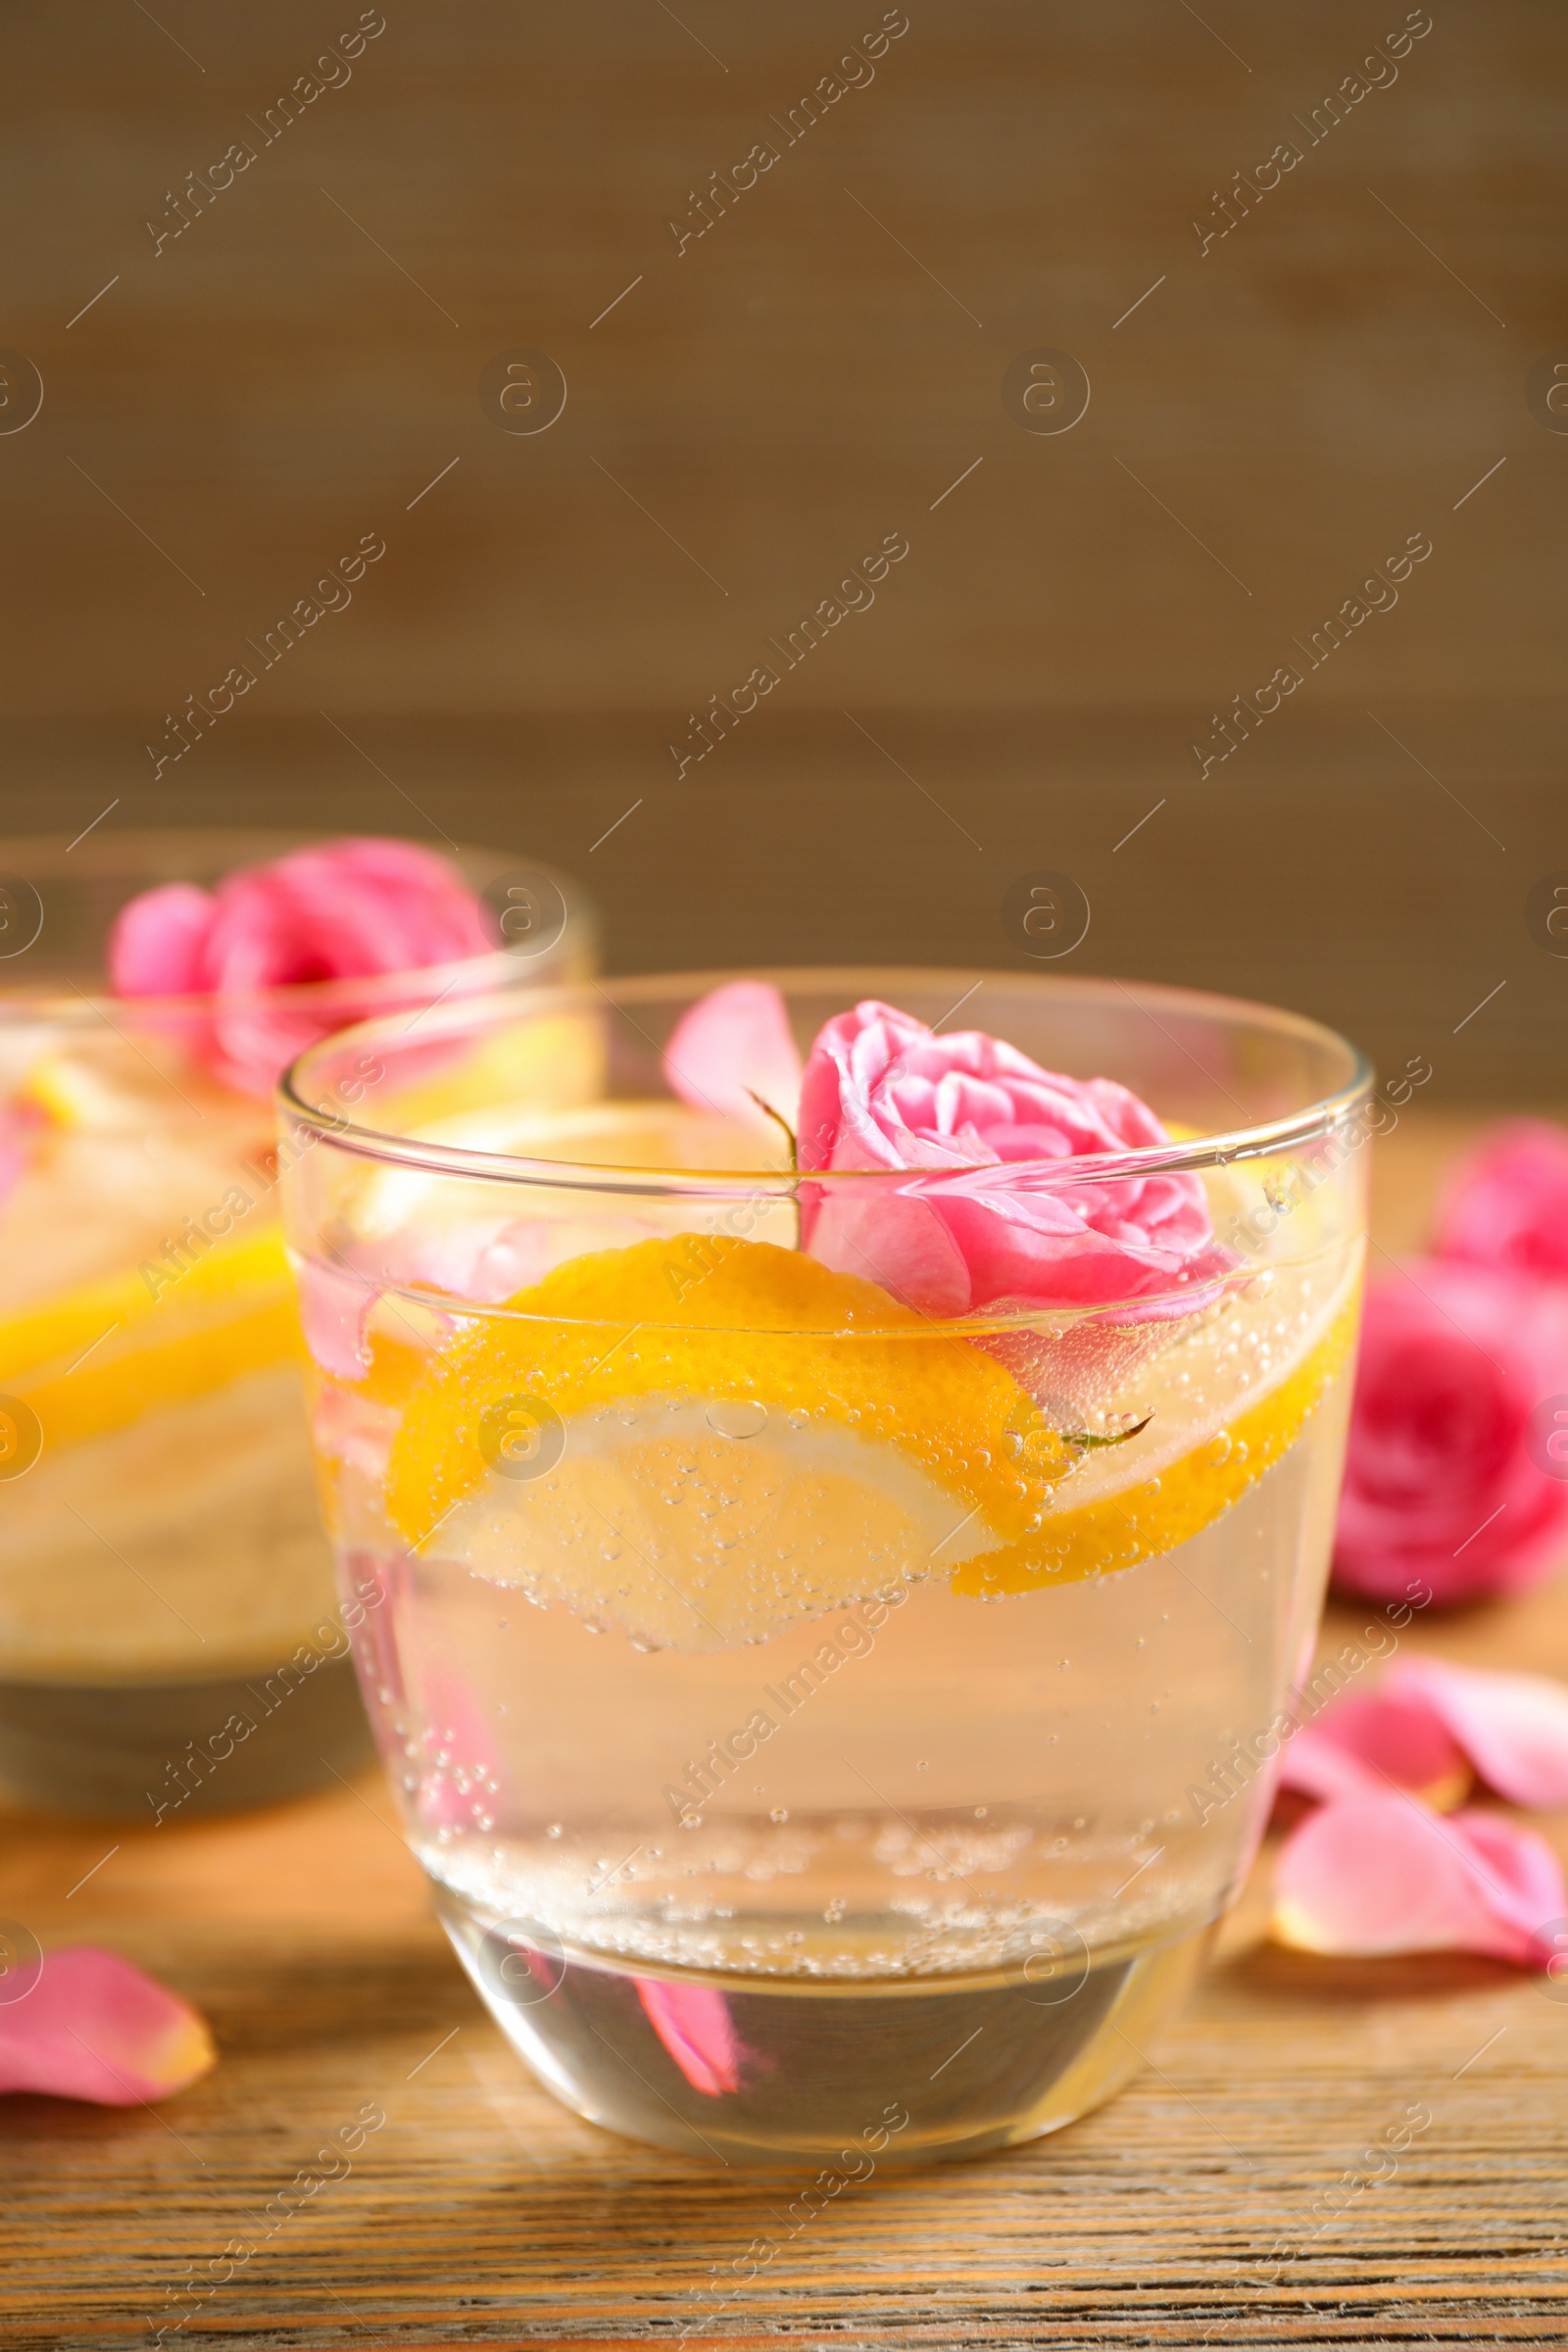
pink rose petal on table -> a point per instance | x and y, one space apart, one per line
732 1046
91 2026
1373 1875
882 1091
694 2024
1512 1727
1445 1478
1507 1208
1361 1744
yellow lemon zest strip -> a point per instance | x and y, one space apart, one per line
1131 1525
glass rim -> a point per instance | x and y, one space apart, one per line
1252 1140
58 1001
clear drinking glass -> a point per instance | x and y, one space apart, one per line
807 1710
169 1637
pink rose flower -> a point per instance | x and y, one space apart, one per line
883 1090
1508 1205
1450 1473
351 910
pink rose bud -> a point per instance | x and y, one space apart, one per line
883 1090
1456 1473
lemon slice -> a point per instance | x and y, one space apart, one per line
100 1357
1151 1510
753 1437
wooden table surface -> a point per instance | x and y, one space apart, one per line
482 2213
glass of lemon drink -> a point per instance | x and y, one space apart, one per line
824 1532
171 1640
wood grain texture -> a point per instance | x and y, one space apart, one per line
483 2214
299 365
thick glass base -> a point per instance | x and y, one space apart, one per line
760 2071
163 1751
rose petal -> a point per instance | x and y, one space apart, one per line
899 1242
1512 1727
694 2024
334 1310
734 1043
1358 1745
91 2026
155 948
1373 1875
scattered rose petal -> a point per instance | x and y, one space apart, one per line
1507 1208
733 1045
94 2027
1512 1727
1361 1744
1373 1875
694 2024
883 1090
1442 1480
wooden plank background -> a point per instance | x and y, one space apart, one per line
483 2214
228 410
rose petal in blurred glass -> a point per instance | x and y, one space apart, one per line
156 946
334 1309
351 910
